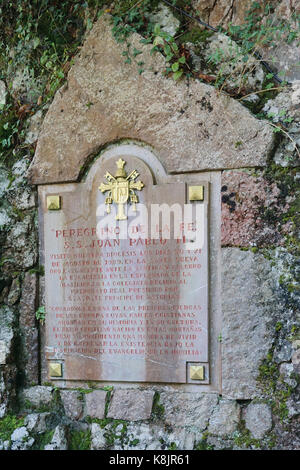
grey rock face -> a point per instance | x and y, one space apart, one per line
225 418
3 93
258 419
34 127
165 18
97 437
6 333
73 403
38 395
95 404
246 315
131 405
39 422
21 440
188 409
14 292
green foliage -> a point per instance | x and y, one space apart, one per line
268 374
195 36
158 409
42 439
40 270
203 444
166 44
80 440
244 439
40 314
111 434
8 424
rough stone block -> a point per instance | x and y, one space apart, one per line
3 93
246 315
188 409
95 404
3 352
28 301
38 395
6 333
97 437
131 405
258 419
225 418
187 122
39 422
73 403
245 200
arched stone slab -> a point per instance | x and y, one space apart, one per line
191 126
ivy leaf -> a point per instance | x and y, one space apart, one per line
177 75
175 67
169 57
158 40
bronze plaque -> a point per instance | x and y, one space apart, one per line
126 299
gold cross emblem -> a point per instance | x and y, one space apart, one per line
121 187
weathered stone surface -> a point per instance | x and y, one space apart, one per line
296 354
19 434
73 404
222 12
28 301
285 58
14 292
258 419
284 107
35 123
39 422
3 409
106 100
283 351
6 333
165 18
288 374
295 96
21 245
28 327
3 93
3 352
95 404
188 409
246 315
131 405
20 439
225 418
98 441
238 74
38 395
245 201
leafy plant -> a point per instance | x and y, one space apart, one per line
165 43
40 315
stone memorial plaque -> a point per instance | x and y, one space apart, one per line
127 299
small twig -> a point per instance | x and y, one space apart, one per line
261 91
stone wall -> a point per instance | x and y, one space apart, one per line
259 406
